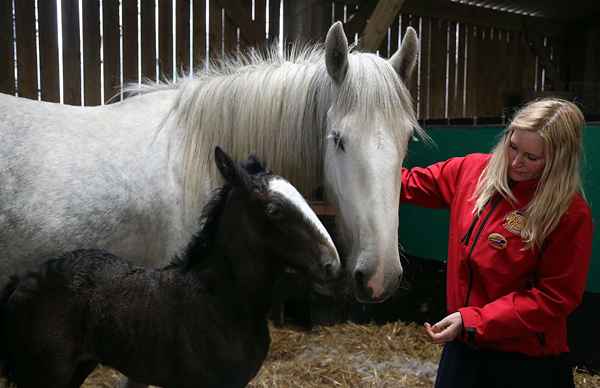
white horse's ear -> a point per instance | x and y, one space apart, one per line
336 52
405 58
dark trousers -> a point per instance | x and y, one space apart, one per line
464 367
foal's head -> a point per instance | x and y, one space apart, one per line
274 219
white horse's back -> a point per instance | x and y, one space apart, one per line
82 176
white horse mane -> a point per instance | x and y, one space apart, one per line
277 107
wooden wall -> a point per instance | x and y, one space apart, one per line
464 69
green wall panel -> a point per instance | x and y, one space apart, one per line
424 232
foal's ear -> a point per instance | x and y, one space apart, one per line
228 168
336 52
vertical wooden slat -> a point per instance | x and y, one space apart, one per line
71 57
165 39
182 53
260 17
214 31
472 48
110 44
148 28
528 72
91 51
26 53
230 35
458 106
48 33
199 32
483 71
338 14
452 94
274 20
438 67
7 59
394 31
130 41
502 72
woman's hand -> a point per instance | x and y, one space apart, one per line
445 330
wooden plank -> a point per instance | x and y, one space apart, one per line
230 35
71 54
130 41
379 21
90 15
472 70
260 19
451 92
48 35
148 28
458 106
199 30
110 45
240 14
394 35
483 16
215 44
182 44
26 50
338 12
7 58
165 39
438 68
274 6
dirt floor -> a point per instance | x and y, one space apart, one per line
345 355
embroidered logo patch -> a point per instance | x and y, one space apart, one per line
514 222
497 240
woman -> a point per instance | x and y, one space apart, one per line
518 252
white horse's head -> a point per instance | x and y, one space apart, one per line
368 128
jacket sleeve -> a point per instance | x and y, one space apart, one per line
431 186
559 287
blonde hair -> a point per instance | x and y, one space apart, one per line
560 124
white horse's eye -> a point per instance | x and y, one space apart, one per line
338 140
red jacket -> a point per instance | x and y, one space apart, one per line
510 298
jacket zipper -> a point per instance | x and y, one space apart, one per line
465 241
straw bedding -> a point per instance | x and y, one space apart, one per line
345 355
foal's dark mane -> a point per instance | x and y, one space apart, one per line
201 244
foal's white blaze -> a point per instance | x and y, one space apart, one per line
284 188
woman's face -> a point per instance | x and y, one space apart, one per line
525 156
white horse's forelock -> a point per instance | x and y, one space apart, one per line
277 106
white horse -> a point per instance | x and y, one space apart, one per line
132 177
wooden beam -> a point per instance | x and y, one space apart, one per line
479 16
251 32
377 26
357 21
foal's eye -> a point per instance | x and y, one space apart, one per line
338 140
273 211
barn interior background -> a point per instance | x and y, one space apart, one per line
478 60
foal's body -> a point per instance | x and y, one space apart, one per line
200 321
119 315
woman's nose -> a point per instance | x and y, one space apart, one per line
517 161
